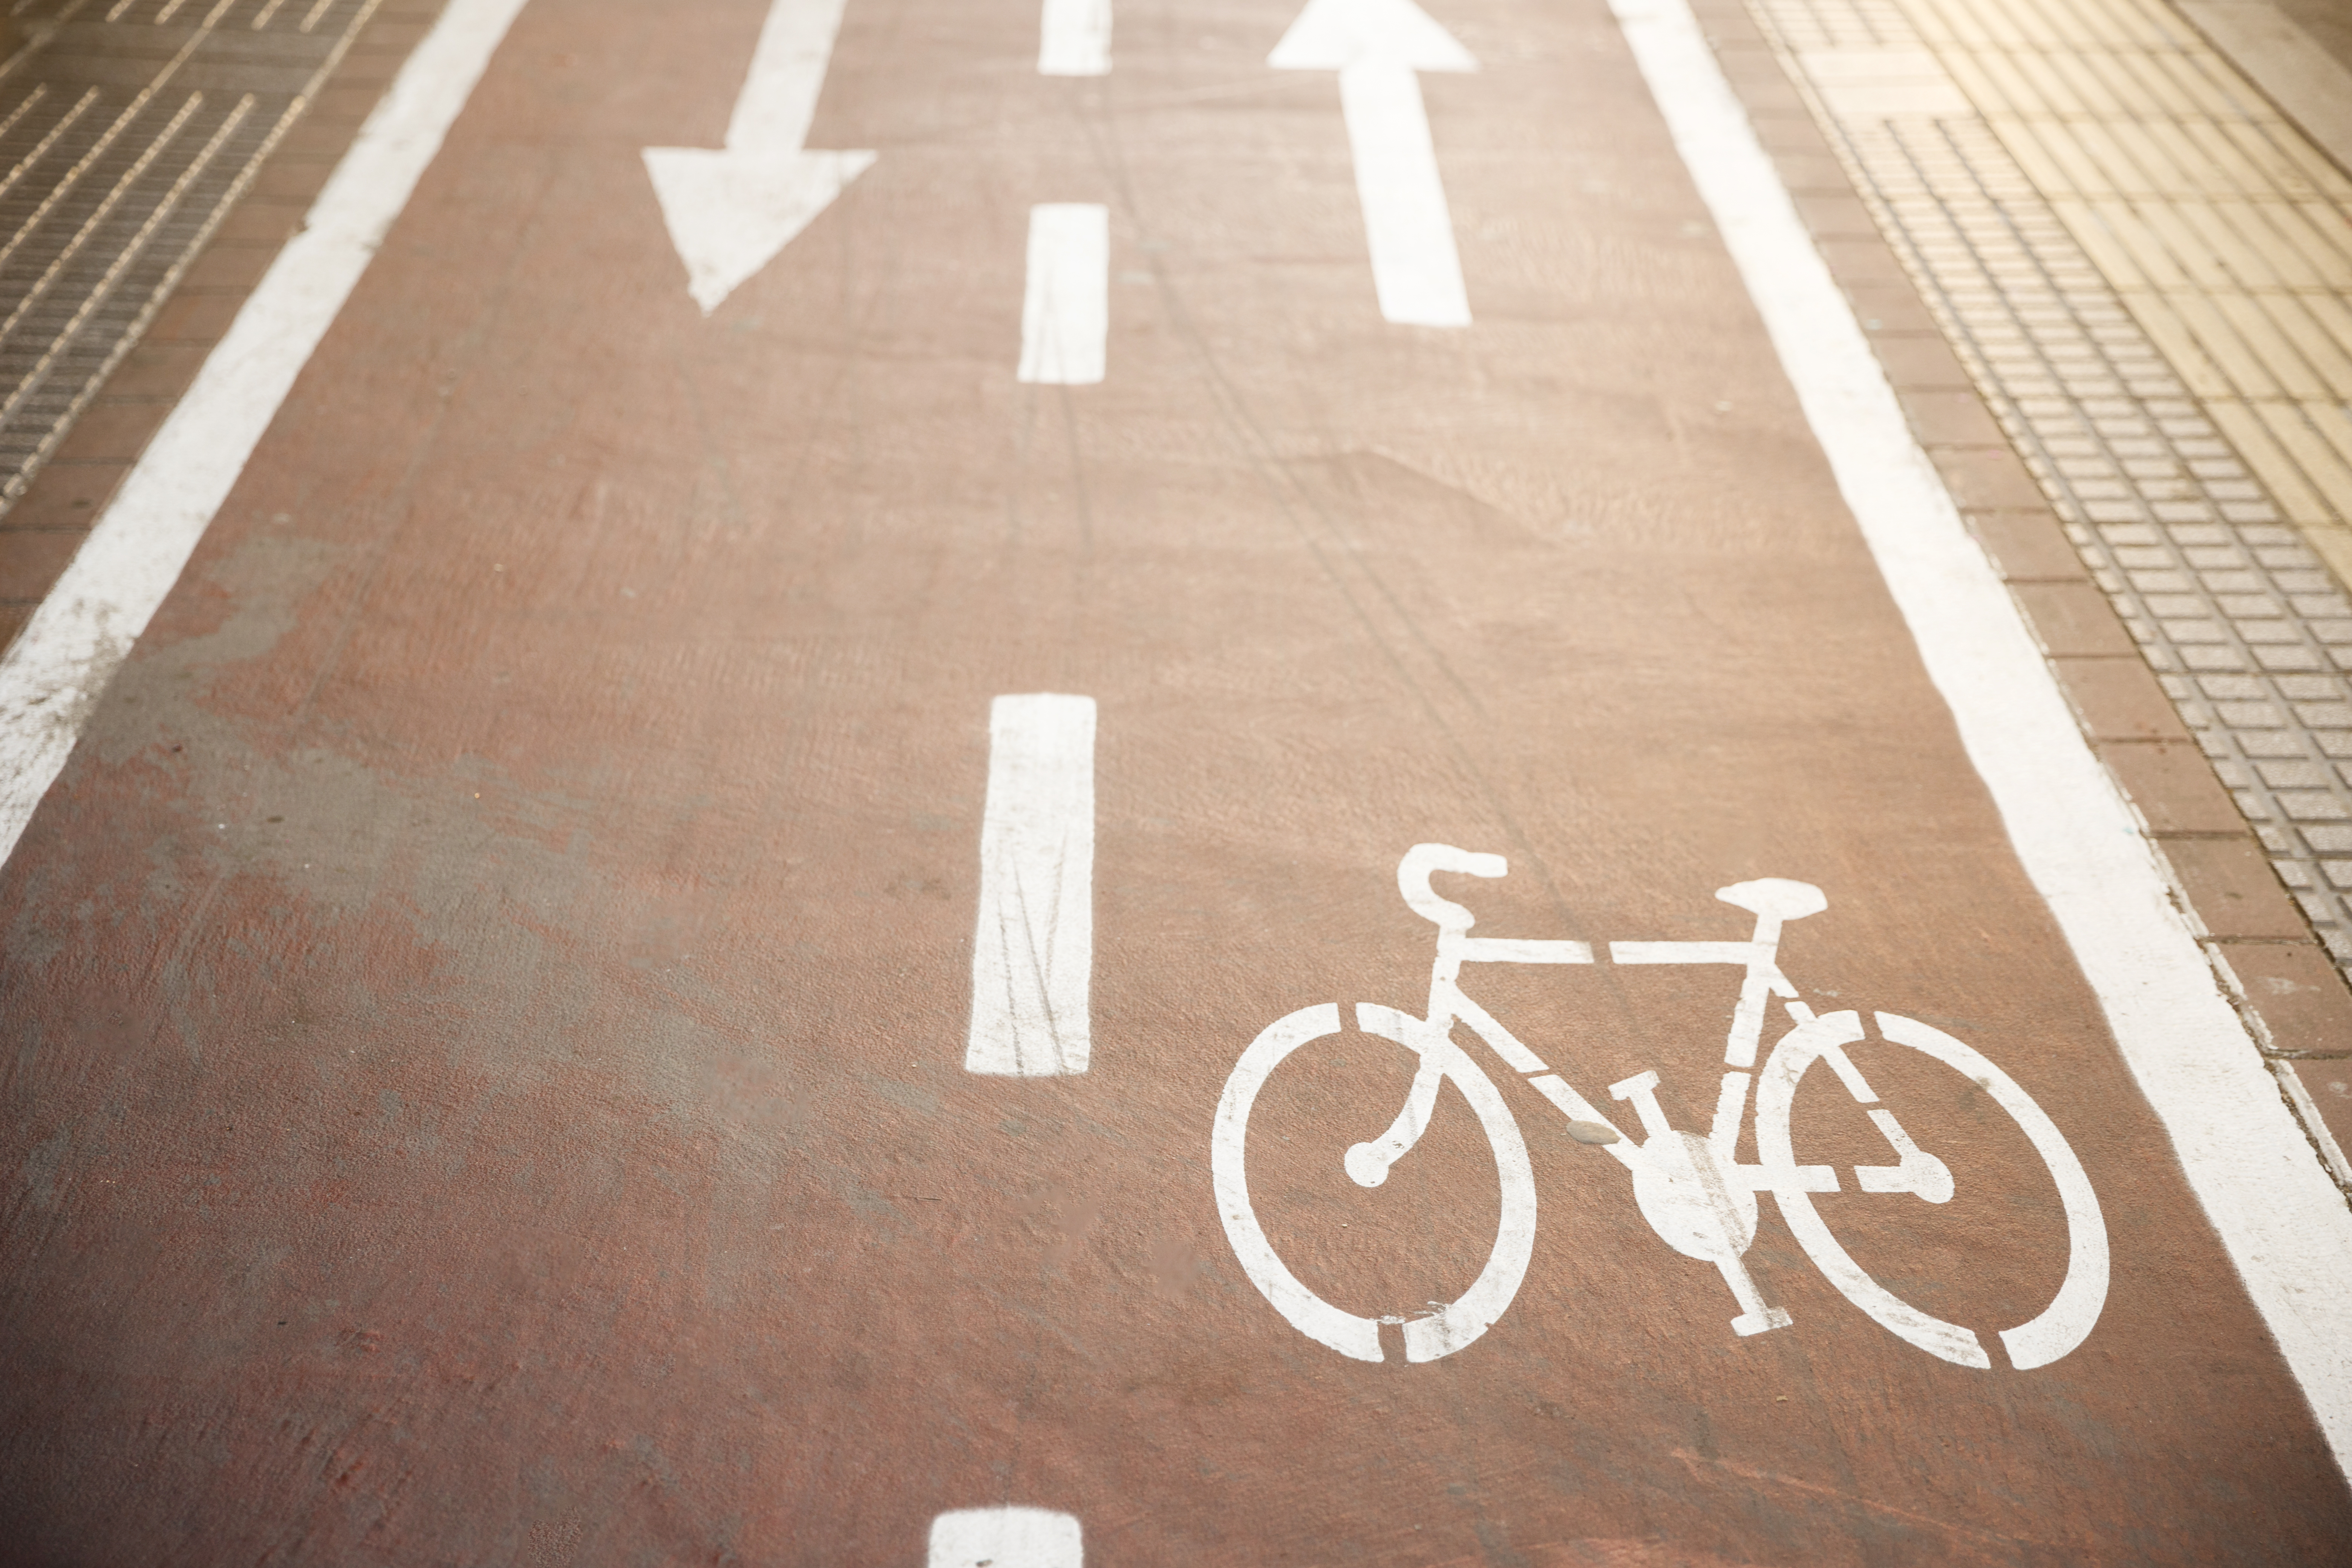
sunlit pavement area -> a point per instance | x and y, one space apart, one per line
732 736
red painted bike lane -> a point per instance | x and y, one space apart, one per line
490 994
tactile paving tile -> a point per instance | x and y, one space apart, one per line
126 133
2227 600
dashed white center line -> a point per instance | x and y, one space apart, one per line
1033 954
1074 39
1006 1538
1065 311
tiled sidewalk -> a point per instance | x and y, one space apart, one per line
2146 270
2038 396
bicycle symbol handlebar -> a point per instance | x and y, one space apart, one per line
1424 860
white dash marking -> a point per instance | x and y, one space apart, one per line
1033 957
1074 39
1006 1538
1066 311
51 678
2280 1218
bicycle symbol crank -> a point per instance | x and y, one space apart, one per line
1690 1188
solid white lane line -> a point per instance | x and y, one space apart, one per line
1377 46
1006 1538
729 211
2284 1223
1066 309
1033 955
1074 39
52 677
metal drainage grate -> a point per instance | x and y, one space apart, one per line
127 131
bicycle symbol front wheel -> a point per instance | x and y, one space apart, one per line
2038 1341
1426 1338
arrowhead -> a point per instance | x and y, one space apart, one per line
729 213
1332 35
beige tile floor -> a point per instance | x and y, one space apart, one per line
2226 234
2147 269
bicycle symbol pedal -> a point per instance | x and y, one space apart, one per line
1690 1188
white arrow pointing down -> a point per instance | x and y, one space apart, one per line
730 212
1377 46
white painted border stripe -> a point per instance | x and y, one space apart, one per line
2284 1222
53 676
1074 39
1032 956
1066 309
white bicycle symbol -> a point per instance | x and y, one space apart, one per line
1691 1189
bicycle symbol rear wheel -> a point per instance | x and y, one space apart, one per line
2038 1341
1428 1337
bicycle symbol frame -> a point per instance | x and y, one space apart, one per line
1690 1188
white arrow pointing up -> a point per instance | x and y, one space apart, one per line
1377 46
730 212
